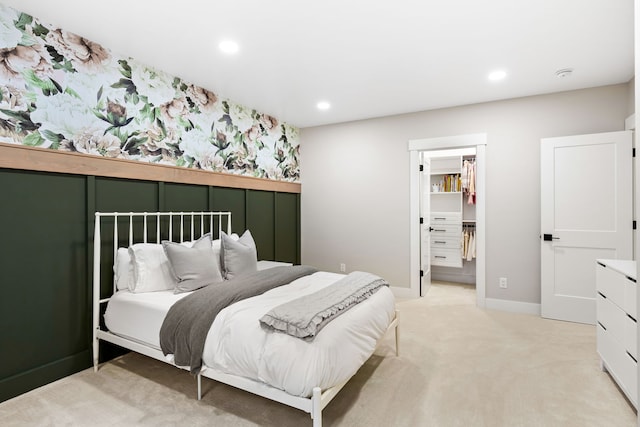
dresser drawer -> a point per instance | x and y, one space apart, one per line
631 336
446 230
620 365
446 257
445 218
611 284
629 377
445 243
611 317
630 295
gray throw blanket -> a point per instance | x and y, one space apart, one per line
184 330
304 317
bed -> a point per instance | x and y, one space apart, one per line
239 350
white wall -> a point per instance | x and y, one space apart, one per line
355 182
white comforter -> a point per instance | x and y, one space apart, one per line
238 345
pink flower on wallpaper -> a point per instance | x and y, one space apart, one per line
14 60
85 55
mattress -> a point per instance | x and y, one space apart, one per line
139 316
237 344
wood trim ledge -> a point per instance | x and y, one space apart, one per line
41 159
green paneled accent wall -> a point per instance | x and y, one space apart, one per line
44 310
233 200
186 198
260 220
46 258
287 241
122 195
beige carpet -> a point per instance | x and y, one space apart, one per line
459 366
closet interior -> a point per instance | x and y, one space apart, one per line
452 202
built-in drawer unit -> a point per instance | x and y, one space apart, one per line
448 230
438 242
617 326
446 237
446 218
446 257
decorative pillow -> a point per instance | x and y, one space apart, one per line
151 268
238 257
122 269
193 267
217 247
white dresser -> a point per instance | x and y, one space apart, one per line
616 315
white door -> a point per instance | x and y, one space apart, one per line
425 226
586 214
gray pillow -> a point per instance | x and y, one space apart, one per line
238 257
194 267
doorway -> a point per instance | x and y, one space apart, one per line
416 147
448 213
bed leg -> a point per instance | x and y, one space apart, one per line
199 387
316 407
96 356
397 334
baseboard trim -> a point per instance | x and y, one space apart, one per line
26 381
512 306
402 292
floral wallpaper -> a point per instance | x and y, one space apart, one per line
63 92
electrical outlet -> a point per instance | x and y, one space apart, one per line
343 267
503 282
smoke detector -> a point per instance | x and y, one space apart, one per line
563 73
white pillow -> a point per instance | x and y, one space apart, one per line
151 269
122 269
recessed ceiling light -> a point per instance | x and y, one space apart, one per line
497 75
323 105
229 46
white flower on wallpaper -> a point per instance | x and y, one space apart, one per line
196 144
61 91
154 85
63 115
240 117
9 34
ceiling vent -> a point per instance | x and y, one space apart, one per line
563 73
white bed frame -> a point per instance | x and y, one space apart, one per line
195 221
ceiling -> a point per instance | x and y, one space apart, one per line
367 58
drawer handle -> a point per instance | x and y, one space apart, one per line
634 359
603 327
442 218
440 256
631 317
602 295
443 231
440 242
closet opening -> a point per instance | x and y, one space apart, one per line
447 227
448 202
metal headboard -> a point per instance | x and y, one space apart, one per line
163 229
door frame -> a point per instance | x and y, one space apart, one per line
415 146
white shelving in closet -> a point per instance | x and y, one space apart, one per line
450 213
446 211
